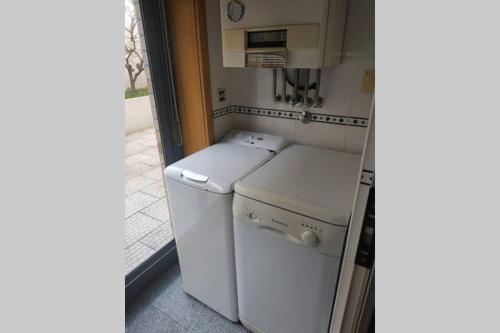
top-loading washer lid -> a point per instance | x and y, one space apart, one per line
315 182
256 140
218 167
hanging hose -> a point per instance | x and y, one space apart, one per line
307 99
285 97
318 101
276 97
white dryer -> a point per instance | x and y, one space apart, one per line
290 222
200 192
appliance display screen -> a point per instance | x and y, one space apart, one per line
264 39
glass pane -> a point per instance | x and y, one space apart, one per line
147 221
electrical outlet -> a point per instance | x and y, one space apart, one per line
222 94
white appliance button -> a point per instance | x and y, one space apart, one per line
309 238
252 216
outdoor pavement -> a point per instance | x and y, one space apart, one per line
147 220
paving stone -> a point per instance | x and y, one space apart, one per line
158 210
137 201
153 161
138 226
144 233
139 157
156 189
151 151
136 169
155 173
135 255
137 183
160 236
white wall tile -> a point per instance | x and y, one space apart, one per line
244 122
354 139
277 126
336 88
320 135
360 102
222 125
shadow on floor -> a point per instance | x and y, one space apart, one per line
164 307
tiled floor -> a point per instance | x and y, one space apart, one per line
147 221
164 307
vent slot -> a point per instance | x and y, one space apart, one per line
266 59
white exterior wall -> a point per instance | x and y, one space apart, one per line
138 114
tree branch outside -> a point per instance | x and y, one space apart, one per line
134 61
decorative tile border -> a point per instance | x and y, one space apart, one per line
316 117
340 120
221 112
266 112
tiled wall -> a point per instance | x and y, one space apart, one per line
340 88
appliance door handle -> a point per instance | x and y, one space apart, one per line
193 176
278 233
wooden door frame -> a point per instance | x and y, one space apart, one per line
189 51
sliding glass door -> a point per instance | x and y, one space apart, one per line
152 141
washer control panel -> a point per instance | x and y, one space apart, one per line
321 236
257 140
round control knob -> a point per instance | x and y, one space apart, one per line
252 216
309 238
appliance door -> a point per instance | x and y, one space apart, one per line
282 286
203 228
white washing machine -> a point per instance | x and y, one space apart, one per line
200 192
290 222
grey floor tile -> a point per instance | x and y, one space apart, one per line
157 210
137 183
209 321
156 189
167 281
181 307
166 295
148 319
137 201
138 226
159 237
